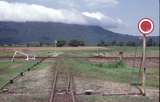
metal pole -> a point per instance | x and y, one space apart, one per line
97 51
143 67
55 42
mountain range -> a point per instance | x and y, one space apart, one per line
24 32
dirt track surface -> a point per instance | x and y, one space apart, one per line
108 87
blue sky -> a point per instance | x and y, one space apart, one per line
116 15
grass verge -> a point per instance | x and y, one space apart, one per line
10 69
117 72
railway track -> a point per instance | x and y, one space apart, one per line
62 85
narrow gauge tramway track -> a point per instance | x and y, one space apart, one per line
62 85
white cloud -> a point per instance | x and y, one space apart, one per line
25 12
97 18
114 2
96 15
22 12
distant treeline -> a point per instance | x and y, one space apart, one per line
76 43
150 42
60 43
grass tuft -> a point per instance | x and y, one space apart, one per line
117 64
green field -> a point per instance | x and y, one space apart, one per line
114 51
117 72
80 51
114 72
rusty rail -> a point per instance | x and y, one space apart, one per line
62 86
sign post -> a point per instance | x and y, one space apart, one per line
145 26
55 45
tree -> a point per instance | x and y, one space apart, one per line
76 43
101 43
40 44
121 43
150 42
61 43
81 43
27 45
113 43
157 43
131 43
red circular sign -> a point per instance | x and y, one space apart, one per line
145 26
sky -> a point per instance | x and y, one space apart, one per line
119 16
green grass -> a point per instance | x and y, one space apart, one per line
114 50
117 72
152 77
130 49
5 53
109 51
9 69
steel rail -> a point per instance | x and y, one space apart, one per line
62 86
53 87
